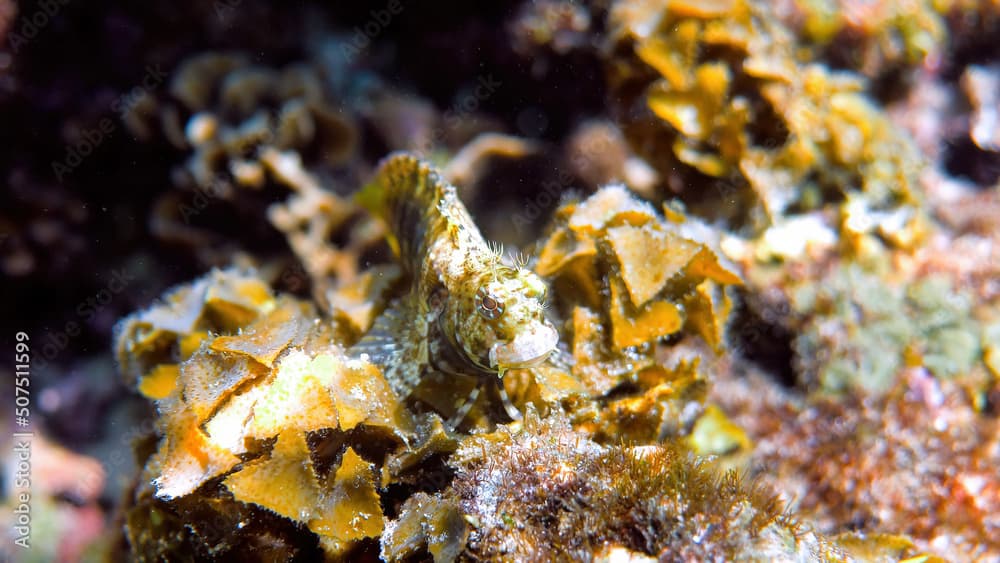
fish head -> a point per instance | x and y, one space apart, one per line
501 323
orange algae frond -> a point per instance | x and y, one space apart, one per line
653 411
282 482
615 253
634 326
745 129
351 509
644 273
160 382
342 508
267 406
217 302
434 523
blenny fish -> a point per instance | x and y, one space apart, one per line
466 310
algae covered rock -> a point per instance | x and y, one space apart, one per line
720 101
546 492
276 439
261 414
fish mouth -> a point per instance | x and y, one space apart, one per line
529 348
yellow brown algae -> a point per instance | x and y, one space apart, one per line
466 312
432 523
625 278
874 38
238 148
265 409
716 99
265 419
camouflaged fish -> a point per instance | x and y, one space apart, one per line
466 311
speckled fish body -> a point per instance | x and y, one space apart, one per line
465 311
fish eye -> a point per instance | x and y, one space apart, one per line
488 305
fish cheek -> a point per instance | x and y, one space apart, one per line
478 336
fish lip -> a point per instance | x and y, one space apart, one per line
525 350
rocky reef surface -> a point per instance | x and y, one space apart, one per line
768 235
